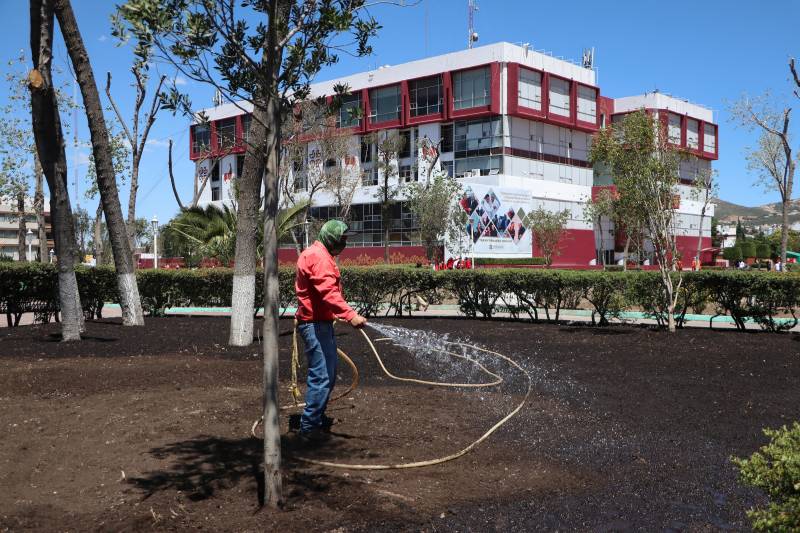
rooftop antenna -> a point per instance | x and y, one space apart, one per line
472 36
217 100
588 58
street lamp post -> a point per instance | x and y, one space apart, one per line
52 253
29 240
154 222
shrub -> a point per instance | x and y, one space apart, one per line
748 249
775 469
763 251
732 253
509 261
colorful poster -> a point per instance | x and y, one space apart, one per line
496 220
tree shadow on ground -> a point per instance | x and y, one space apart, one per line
202 466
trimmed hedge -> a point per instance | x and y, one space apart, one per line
761 297
538 261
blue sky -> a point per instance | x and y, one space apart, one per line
708 52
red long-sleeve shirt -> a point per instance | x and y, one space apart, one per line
318 285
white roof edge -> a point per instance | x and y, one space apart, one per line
502 51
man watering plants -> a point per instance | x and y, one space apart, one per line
319 295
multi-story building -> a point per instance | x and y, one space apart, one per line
9 229
512 124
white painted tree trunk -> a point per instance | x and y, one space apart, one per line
70 302
129 291
242 309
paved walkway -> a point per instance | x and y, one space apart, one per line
435 311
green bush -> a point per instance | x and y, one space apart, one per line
766 298
732 253
775 469
748 249
515 261
763 251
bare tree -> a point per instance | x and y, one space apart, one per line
645 169
137 141
388 144
50 148
772 159
130 303
704 189
315 158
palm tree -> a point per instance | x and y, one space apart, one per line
213 230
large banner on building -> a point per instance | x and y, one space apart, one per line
497 220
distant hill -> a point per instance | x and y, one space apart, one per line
753 216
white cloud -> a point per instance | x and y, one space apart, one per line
157 143
180 80
103 38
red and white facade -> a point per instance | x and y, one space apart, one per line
503 115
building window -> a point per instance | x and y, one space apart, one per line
406 174
709 138
405 146
471 88
369 177
201 138
246 120
478 166
426 96
692 133
366 151
559 97
350 111
587 104
384 104
226 133
530 89
478 137
447 167
446 136
239 166
674 129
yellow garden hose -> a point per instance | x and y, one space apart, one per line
416 464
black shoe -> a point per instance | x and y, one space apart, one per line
328 423
315 436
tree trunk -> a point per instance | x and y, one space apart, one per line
132 202
700 237
50 148
130 302
625 252
784 231
272 437
22 228
98 235
249 203
38 208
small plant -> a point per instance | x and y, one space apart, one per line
775 469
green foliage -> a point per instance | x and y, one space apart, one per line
547 228
775 469
748 249
732 253
763 251
537 294
432 203
510 261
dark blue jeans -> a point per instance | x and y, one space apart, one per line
321 355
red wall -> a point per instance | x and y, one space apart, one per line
687 247
289 255
577 248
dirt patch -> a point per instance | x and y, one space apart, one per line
627 428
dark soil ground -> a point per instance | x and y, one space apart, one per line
627 428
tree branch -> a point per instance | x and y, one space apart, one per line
172 178
118 113
151 117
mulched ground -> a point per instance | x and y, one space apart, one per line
627 428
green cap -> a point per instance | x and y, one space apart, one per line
332 232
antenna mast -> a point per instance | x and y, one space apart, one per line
472 36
